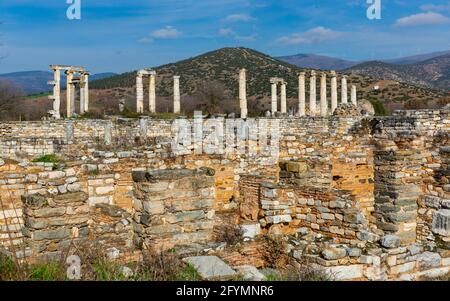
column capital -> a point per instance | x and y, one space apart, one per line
313 73
333 73
176 77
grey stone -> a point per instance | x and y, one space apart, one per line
390 241
50 212
331 253
35 200
428 260
337 204
441 222
211 267
51 234
432 201
354 252
250 273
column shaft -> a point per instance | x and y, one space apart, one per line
301 95
70 94
323 95
334 93
312 94
243 93
344 93
283 98
139 94
152 93
274 98
176 95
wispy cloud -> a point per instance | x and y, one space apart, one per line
313 36
238 18
226 32
168 32
429 18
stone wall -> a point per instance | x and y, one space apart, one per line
349 180
174 208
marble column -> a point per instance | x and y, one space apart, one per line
323 95
152 93
312 94
70 94
243 93
354 96
176 95
81 94
344 96
139 94
283 98
274 97
86 92
57 93
334 92
301 95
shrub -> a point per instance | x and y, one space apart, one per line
274 251
47 159
229 233
8 269
48 271
163 266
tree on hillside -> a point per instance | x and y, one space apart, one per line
9 96
214 98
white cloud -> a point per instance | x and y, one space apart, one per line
238 18
168 32
313 36
226 32
145 40
250 38
428 18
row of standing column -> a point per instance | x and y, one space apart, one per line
152 92
71 82
323 109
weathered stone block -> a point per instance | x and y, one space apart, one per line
390 241
441 222
211 267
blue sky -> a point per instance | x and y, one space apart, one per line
124 35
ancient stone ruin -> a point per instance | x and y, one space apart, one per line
72 81
152 92
361 197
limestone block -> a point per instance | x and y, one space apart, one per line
441 222
346 272
390 241
250 273
251 230
331 253
211 267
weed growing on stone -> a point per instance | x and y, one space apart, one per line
47 159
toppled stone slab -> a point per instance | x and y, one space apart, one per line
250 273
211 267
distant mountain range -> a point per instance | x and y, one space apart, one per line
430 70
331 63
317 62
432 73
35 82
